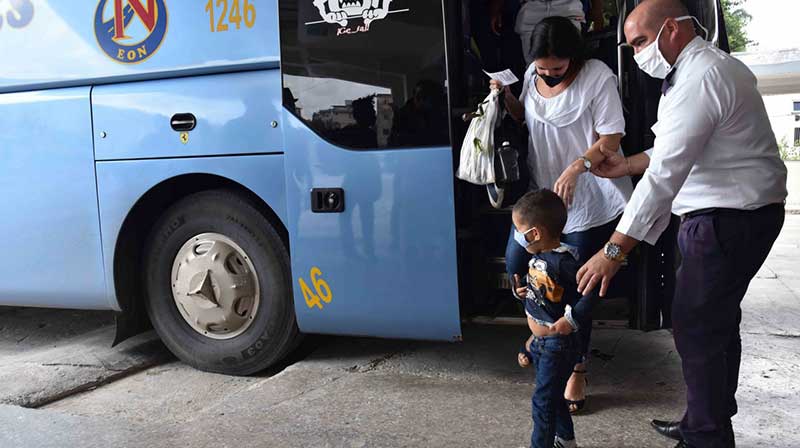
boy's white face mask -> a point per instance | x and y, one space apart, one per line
652 61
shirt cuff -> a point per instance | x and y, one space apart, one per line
568 315
641 231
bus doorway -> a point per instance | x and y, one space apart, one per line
641 294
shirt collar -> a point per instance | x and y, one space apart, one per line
695 45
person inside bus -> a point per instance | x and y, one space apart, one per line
423 118
531 12
362 133
571 107
555 312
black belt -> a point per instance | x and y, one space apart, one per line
720 210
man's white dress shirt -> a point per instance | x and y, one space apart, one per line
714 146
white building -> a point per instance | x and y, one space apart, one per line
778 75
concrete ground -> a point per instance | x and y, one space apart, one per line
355 392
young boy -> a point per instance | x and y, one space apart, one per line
555 311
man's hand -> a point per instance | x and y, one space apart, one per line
613 166
497 23
598 269
596 18
562 327
522 291
496 15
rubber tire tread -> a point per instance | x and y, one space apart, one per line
273 333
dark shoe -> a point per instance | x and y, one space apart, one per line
683 444
576 406
668 429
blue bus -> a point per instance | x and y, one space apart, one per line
235 173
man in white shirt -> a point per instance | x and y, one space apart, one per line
715 163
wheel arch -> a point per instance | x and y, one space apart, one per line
137 225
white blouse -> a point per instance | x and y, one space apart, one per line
562 128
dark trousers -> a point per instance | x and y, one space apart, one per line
721 252
588 243
553 358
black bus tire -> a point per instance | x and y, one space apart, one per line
272 332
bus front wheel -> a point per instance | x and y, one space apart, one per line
219 284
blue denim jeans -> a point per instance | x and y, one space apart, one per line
553 358
588 243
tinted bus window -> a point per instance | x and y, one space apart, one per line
366 78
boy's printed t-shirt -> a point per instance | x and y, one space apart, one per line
553 290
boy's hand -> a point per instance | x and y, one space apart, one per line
522 291
562 327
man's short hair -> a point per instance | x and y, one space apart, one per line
542 208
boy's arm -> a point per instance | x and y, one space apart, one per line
519 287
580 313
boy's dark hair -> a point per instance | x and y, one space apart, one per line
558 37
542 208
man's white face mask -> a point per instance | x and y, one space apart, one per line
651 61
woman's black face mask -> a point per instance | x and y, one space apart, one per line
552 81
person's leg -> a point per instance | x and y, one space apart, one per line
588 243
517 258
553 361
564 426
720 255
733 359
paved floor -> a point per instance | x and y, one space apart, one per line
351 392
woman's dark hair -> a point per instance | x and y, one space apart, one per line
558 37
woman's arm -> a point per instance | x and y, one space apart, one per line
566 183
513 105
595 154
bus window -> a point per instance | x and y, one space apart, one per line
366 84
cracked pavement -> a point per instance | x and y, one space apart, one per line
358 392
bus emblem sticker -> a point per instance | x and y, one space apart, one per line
343 12
130 31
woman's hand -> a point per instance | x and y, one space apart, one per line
566 183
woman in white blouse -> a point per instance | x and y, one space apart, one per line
571 107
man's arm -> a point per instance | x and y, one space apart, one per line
615 165
596 16
496 15
681 136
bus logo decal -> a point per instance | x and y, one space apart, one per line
114 20
342 12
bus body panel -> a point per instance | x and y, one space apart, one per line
236 113
386 265
52 254
55 43
122 183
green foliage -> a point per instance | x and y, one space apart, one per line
787 151
736 20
